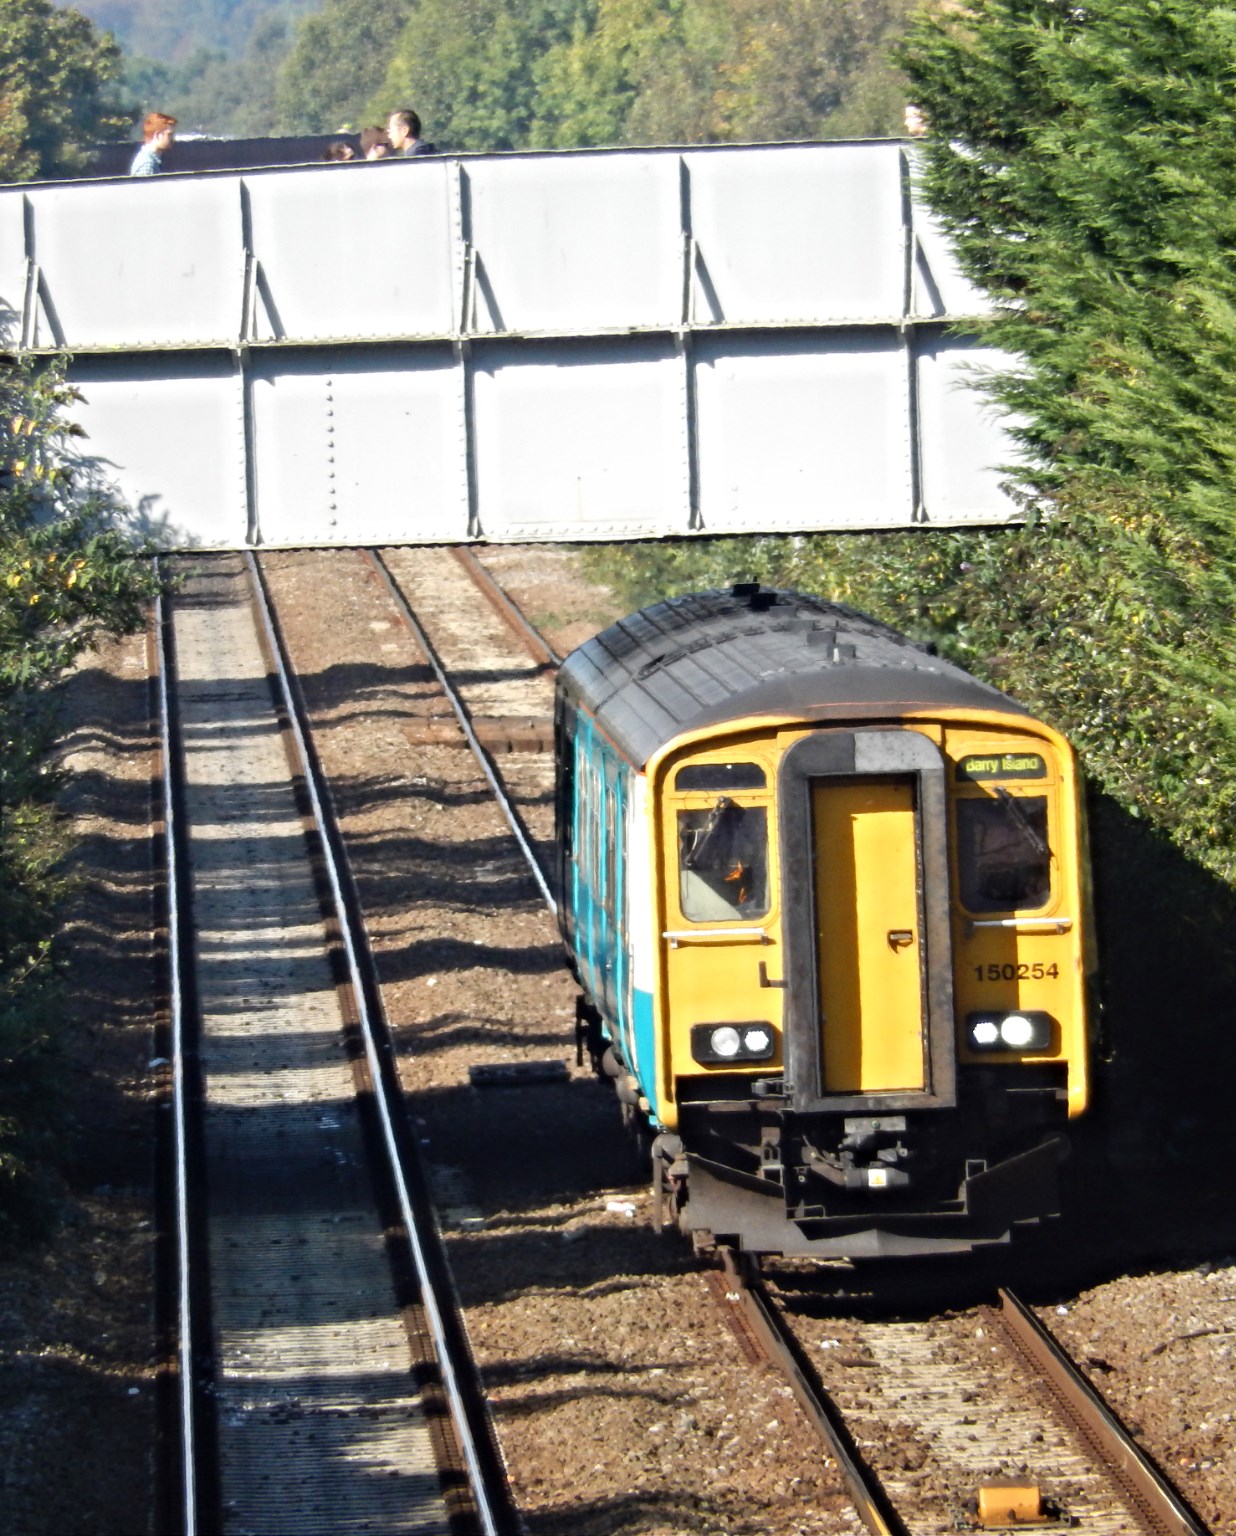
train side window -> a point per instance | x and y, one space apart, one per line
723 862
1003 855
596 809
609 832
565 749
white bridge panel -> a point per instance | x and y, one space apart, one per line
140 263
794 436
12 269
365 254
967 447
562 248
799 236
360 454
172 445
587 446
940 288
578 345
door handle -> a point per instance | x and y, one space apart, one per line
899 939
765 979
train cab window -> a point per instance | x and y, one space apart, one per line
1003 855
723 862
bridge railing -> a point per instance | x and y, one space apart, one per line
583 345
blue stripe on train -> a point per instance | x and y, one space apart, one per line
645 1053
583 903
598 901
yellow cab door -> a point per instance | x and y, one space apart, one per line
868 934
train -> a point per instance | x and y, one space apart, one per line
826 898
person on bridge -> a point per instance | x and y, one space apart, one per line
158 131
374 144
403 128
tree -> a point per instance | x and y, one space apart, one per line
55 73
1084 161
590 82
211 92
507 74
801 70
1098 209
336 65
471 68
709 71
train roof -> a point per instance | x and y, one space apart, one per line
700 660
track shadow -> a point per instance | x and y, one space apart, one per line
1149 1183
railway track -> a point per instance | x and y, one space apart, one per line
324 1378
931 1439
534 732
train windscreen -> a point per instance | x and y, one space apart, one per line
723 862
1003 855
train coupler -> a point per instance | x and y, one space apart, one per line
669 1178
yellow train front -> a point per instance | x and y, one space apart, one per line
826 898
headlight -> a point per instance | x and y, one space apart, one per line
713 1043
725 1042
1015 1031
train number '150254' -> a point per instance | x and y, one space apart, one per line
1026 971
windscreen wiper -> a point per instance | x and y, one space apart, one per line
1022 822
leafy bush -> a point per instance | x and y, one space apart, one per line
67 578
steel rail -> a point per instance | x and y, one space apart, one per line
870 1501
509 610
184 1311
1165 1512
338 875
465 724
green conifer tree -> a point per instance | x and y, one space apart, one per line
1083 158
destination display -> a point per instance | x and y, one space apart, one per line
1001 765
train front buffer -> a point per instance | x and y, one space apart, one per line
871 984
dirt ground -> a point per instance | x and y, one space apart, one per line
77 1350
620 1397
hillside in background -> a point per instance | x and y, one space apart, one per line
210 63
152 29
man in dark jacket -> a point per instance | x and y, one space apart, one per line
403 128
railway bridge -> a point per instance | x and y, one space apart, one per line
580 345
